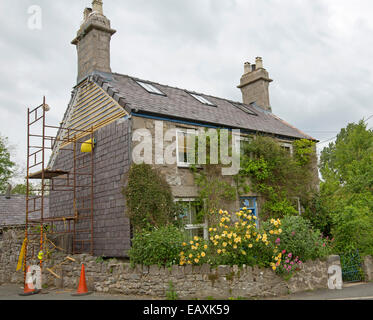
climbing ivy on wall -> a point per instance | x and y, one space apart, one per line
273 173
214 189
149 199
277 175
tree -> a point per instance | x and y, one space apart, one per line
348 162
6 165
346 191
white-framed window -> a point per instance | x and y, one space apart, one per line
297 205
243 141
186 147
189 217
287 147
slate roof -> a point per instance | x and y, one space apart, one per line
180 105
13 210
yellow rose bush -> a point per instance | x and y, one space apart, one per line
194 252
236 240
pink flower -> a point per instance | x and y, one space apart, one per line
278 240
323 244
293 233
283 251
287 261
290 255
292 262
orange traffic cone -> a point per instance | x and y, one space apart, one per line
29 288
82 288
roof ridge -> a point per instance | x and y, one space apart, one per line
174 87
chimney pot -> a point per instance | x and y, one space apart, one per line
8 191
97 6
247 67
259 63
87 12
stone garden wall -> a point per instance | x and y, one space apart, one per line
114 276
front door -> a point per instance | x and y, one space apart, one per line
250 203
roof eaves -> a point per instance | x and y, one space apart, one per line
289 125
152 115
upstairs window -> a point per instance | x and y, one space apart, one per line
185 143
150 88
202 99
243 141
288 147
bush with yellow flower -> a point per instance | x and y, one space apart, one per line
236 240
194 252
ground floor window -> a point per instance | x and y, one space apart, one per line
190 219
297 205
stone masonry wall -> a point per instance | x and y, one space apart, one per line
114 276
180 179
111 163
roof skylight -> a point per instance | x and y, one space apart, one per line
150 88
202 99
244 108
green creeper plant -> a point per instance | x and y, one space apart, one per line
149 198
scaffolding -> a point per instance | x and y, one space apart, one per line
77 181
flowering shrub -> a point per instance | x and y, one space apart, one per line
195 252
299 238
325 246
282 245
233 242
290 264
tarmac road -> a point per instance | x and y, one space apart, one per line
356 291
12 291
350 291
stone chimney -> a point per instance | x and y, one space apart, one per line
254 84
8 191
93 41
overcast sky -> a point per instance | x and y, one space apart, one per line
318 52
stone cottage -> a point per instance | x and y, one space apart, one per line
117 105
12 211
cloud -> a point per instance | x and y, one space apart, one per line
317 52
